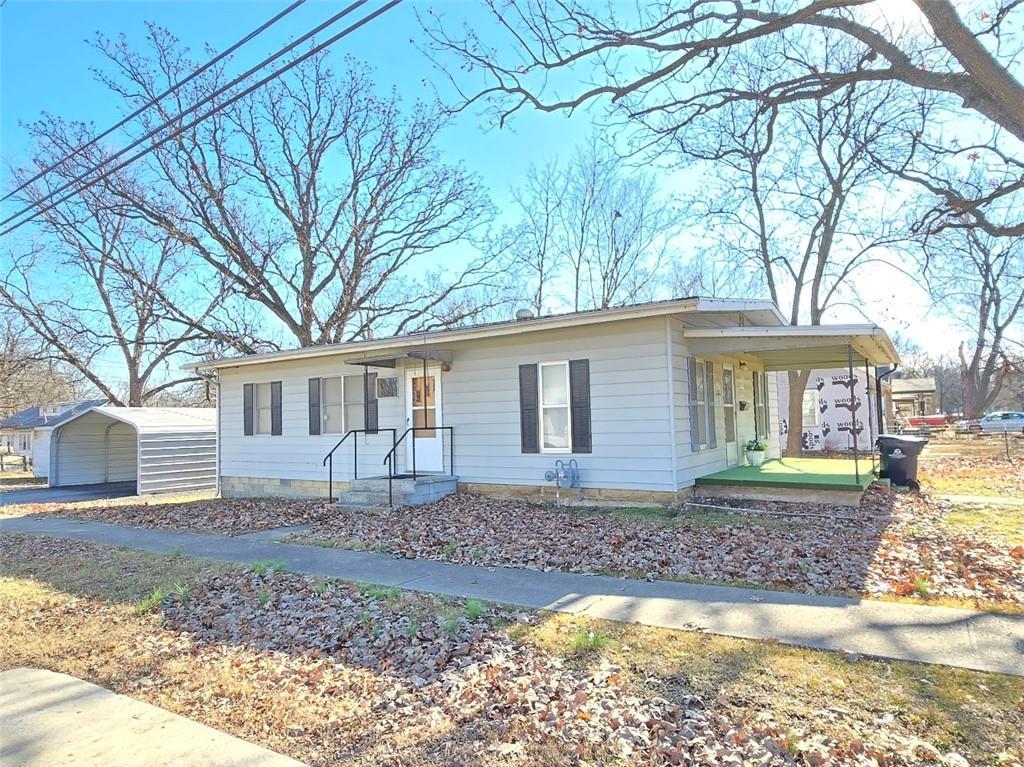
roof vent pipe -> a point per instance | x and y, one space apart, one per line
524 314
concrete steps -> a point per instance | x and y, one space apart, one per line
371 494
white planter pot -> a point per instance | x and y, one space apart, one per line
755 457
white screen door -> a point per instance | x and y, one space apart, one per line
423 410
732 454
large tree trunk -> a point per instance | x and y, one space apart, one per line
795 438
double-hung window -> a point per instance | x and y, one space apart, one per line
262 408
701 397
341 404
811 412
555 416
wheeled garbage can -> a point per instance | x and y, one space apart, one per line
899 458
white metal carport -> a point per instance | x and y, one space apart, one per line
161 449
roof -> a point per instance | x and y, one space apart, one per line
798 347
761 312
35 418
156 420
912 385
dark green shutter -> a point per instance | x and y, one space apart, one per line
248 405
314 406
370 401
767 412
275 407
691 378
529 415
579 402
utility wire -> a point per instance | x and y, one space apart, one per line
205 100
181 83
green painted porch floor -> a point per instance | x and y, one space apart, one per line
821 473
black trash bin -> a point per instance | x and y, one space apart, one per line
899 458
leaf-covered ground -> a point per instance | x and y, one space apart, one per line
895 545
332 672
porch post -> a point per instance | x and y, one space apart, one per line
871 426
853 412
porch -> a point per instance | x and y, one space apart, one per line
810 480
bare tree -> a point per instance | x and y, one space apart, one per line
979 280
594 230
668 65
105 292
314 197
27 376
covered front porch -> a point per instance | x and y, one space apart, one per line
854 348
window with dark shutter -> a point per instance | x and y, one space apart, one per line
579 401
314 405
529 417
710 389
691 377
248 406
275 407
370 398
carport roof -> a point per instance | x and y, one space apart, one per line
797 347
155 420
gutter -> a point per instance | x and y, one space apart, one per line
878 401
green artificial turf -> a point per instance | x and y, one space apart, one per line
826 473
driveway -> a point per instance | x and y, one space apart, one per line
67 494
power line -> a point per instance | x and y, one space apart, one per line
181 83
193 108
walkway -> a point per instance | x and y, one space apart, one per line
948 636
49 720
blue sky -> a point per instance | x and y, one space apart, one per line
46 63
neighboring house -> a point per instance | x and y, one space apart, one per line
914 396
834 413
645 398
28 432
150 449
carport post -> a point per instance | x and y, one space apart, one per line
853 412
871 425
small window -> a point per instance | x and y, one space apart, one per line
812 414
355 412
263 410
387 387
332 405
555 425
702 402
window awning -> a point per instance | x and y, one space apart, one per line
391 359
797 347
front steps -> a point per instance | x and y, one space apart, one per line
372 494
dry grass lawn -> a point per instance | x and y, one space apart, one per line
76 608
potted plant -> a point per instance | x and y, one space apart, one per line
755 451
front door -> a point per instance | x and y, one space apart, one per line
732 453
423 411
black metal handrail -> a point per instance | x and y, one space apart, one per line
329 458
389 458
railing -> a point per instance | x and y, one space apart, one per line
389 459
329 458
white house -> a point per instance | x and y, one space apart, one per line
27 432
836 412
645 398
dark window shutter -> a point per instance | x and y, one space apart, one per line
691 378
767 412
529 424
579 402
709 389
757 400
314 406
275 407
370 401
248 405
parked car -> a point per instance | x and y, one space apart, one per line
1007 420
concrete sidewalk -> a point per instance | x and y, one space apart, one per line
964 638
49 719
